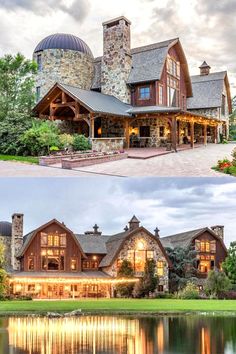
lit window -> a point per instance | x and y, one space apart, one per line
161 95
52 260
202 249
144 93
160 268
63 240
150 254
73 264
140 260
207 246
31 263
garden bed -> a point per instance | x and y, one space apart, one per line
227 166
92 159
56 158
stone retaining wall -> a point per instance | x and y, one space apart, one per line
108 144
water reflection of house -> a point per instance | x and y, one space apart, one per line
54 262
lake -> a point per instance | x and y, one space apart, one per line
189 334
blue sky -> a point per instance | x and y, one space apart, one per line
207 29
174 205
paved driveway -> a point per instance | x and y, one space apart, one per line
190 163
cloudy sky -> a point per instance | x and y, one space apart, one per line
207 29
174 205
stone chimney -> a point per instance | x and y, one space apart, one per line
157 232
117 60
204 69
16 239
134 223
219 231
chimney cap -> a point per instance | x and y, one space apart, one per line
17 214
204 65
116 20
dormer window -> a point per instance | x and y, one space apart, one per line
144 93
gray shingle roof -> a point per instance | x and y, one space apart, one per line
98 102
182 239
112 245
207 91
148 62
93 244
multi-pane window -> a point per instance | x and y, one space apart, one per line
206 263
161 98
39 62
173 67
160 268
144 93
53 240
205 246
38 92
53 259
138 259
172 91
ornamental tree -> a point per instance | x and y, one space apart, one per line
125 271
184 267
229 264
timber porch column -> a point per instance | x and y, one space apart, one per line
174 133
91 128
205 134
192 134
127 133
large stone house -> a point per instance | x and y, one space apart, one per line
141 96
54 262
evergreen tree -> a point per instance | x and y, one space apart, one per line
229 264
148 283
125 271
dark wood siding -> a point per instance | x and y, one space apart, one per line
154 100
71 250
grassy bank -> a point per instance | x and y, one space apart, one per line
117 305
25 159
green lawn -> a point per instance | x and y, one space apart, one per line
118 305
27 159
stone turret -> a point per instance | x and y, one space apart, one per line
117 60
204 69
219 231
134 223
16 239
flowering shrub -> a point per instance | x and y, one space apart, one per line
224 164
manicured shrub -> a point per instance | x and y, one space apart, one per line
227 295
40 138
216 283
148 283
81 143
66 141
125 271
190 291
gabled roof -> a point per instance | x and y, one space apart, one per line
93 243
184 239
94 102
208 90
148 63
115 243
30 236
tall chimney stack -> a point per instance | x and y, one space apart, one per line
16 239
219 231
117 59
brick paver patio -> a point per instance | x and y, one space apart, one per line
189 163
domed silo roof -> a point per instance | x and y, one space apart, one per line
5 228
64 41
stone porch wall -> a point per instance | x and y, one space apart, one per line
108 144
151 245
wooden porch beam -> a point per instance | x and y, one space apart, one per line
192 134
174 133
205 134
67 104
127 133
91 130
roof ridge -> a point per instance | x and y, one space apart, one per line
153 46
185 232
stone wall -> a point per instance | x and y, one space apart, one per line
150 245
117 60
6 241
16 239
64 66
108 144
112 127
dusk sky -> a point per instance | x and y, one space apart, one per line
174 205
207 29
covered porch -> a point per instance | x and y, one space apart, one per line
112 125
